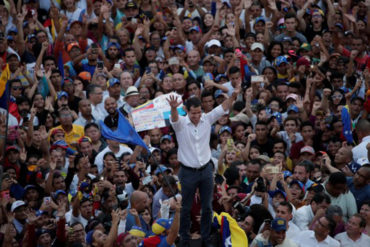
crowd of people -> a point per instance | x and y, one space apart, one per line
275 140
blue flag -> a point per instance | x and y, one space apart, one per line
61 66
347 128
124 133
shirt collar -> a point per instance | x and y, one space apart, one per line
188 122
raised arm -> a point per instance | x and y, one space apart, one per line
227 104
173 101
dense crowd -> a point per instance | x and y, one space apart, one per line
274 148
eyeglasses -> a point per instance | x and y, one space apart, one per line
17 88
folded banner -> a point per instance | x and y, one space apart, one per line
124 133
231 233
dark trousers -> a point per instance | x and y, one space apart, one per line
190 180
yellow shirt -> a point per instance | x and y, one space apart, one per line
72 137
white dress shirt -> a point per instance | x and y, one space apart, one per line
292 231
194 150
303 217
99 158
345 241
98 111
360 150
308 239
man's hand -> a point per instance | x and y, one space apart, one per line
172 101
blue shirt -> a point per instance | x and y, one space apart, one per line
130 222
361 195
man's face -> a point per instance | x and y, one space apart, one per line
277 237
235 79
86 148
341 156
193 89
86 209
253 172
282 91
96 96
307 132
110 105
290 126
133 100
195 114
193 58
357 44
336 190
119 178
300 174
126 80
56 78
283 212
13 63
356 107
167 145
49 65
85 108
242 170
20 213
353 225
130 58
59 183
261 131
208 103
290 24
257 54
130 241
115 90
361 177
278 147
65 118
178 81
79 233
247 224
155 136
321 227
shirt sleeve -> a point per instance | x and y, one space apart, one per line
301 221
215 114
177 126
351 204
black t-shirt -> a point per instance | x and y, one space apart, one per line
266 148
310 33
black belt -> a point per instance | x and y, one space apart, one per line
196 169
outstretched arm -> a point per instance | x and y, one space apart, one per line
174 104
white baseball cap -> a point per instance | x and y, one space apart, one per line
16 205
257 45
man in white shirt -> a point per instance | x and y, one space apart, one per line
284 210
113 146
95 95
193 134
276 237
363 133
353 235
319 237
305 215
336 188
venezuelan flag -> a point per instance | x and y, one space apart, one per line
347 126
231 233
4 88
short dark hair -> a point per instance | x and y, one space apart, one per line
127 50
53 71
261 123
89 125
192 102
91 89
233 70
46 58
307 123
337 178
278 140
320 197
290 15
288 205
206 93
